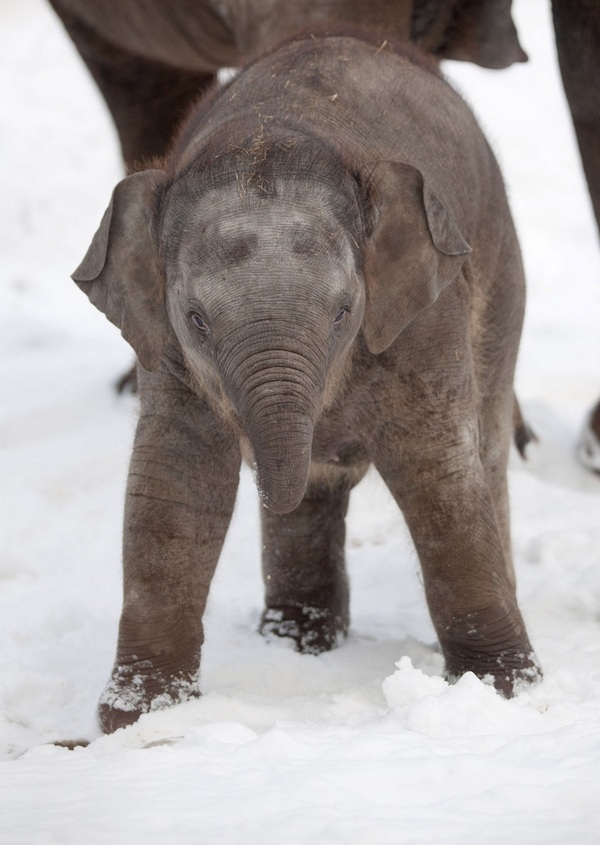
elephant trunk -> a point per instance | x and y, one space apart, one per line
278 405
282 448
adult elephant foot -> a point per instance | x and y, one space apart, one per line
313 630
137 688
588 448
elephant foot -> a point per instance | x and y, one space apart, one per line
494 648
135 689
313 630
507 672
588 448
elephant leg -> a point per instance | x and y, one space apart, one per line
499 414
577 33
494 451
304 570
181 491
444 492
147 99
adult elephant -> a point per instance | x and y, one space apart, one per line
152 58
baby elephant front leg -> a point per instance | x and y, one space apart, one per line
450 514
180 496
470 594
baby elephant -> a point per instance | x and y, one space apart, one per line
322 274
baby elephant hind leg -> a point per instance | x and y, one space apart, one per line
304 571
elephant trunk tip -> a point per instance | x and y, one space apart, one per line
282 452
281 500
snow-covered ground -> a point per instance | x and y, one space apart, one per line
363 745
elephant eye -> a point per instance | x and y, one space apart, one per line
341 316
199 323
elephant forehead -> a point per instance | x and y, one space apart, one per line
255 256
267 275
226 227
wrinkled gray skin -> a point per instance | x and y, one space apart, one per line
324 275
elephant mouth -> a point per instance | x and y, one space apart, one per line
346 453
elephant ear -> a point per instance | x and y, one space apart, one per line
414 251
120 271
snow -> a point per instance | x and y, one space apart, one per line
366 744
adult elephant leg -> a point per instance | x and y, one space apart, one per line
304 570
577 32
147 99
443 490
181 491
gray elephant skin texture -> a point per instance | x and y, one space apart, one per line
321 275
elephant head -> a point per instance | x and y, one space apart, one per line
262 266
